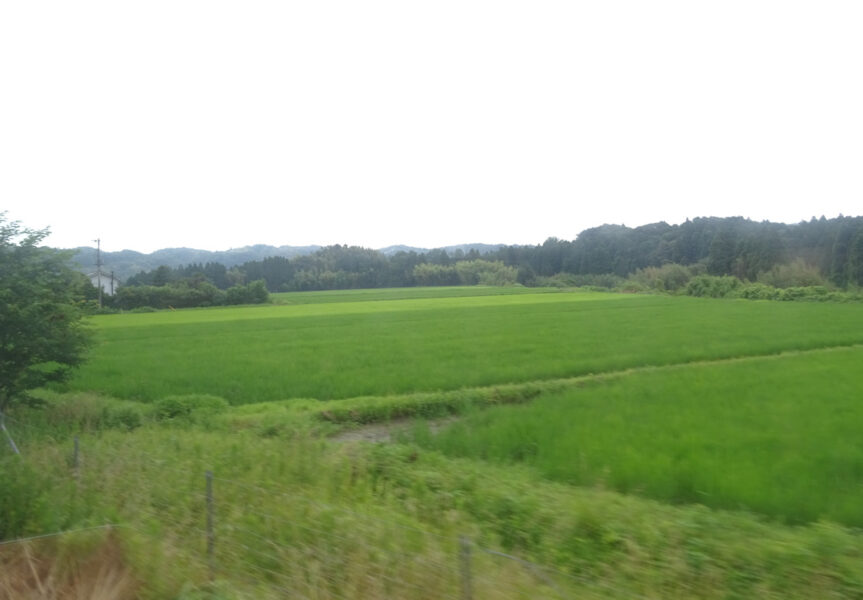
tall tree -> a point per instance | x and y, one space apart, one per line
855 259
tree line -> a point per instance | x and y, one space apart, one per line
831 249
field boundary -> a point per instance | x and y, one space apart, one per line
370 410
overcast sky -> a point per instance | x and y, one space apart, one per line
218 124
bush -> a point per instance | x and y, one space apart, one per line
632 287
124 417
601 282
712 286
484 272
758 291
188 294
60 415
190 407
795 274
607 281
429 275
143 309
561 280
670 277
251 293
812 293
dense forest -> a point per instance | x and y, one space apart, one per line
829 251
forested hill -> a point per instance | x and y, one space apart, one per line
832 248
126 263
725 246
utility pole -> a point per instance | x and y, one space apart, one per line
99 269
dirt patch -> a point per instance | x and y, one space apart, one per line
385 432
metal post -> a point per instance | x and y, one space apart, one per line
464 561
211 536
6 431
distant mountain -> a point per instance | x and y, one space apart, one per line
126 263
390 250
481 248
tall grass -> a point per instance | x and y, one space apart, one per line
778 436
342 521
341 350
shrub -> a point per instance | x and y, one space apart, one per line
251 293
599 282
757 291
712 286
816 293
607 281
632 287
670 277
143 309
795 274
430 274
484 272
561 280
61 415
189 407
125 416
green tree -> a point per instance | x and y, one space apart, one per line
855 259
42 336
162 276
723 251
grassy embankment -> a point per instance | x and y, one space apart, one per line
348 521
334 521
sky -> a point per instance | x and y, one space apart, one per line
216 125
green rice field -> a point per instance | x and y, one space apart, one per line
732 404
777 436
361 347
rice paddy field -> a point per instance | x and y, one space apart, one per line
590 445
359 347
776 435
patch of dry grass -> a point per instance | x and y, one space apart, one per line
68 568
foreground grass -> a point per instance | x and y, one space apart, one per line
349 349
344 521
778 435
82 565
